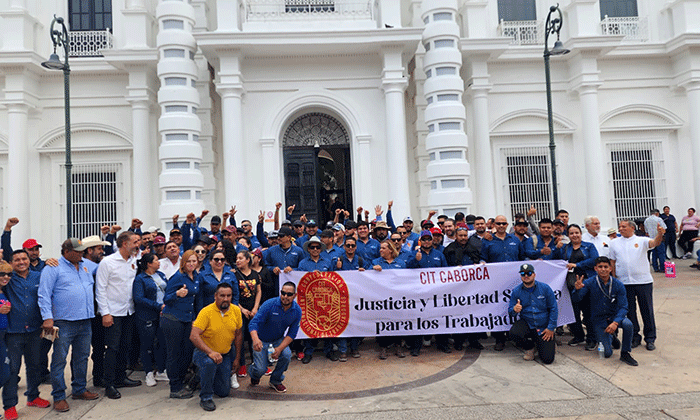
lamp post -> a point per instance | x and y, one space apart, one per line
59 38
552 26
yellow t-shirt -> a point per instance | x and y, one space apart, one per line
219 329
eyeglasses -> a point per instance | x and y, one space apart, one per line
246 225
526 274
350 245
218 259
396 239
314 247
462 228
402 233
5 274
200 251
289 294
501 223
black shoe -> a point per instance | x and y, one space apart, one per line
475 345
636 341
208 405
332 356
591 345
627 358
459 347
415 353
615 343
576 341
182 394
559 331
128 383
499 346
307 358
445 349
651 346
112 393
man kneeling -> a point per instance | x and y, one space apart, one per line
214 331
537 306
608 309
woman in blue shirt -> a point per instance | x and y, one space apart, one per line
209 279
149 291
388 259
5 275
176 322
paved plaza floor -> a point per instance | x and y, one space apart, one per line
470 385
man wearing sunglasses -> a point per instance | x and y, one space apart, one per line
285 256
268 327
536 306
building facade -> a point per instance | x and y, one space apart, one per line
178 106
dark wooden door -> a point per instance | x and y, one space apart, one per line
300 187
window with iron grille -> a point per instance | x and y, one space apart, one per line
528 173
309 6
90 15
637 177
514 10
98 197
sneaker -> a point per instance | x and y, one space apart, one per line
207 405
300 355
268 372
415 352
399 352
150 379
559 331
426 343
306 359
11 414
254 382
382 355
499 346
627 358
343 357
355 354
162 376
182 394
332 356
529 354
279 388
576 341
651 346
234 381
615 343
242 372
591 345
38 402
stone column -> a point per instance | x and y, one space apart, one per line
364 177
693 92
142 164
18 171
486 201
235 185
273 191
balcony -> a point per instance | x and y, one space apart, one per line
308 10
633 28
89 43
523 32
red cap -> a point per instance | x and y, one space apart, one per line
31 243
436 231
158 240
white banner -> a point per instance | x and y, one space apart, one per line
462 299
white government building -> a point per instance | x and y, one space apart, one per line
178 106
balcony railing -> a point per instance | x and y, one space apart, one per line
523 32
303 10
89 43
633 28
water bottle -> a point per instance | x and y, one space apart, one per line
601 350
270 352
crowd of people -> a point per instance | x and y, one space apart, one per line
187 307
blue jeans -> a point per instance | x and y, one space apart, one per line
29 346
179 350
214 379
78 335
260 362
149 349
606 339
658 256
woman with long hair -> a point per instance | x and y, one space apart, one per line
176 322
217 272
269 283
5 276
149 291
250 293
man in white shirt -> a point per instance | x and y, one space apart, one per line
628 255
114 283
171 263
592 235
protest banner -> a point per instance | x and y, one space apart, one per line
464 299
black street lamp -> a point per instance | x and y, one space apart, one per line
59 37
552 26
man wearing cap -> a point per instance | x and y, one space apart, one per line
66 302
311 231
411 240
114 281
329 250
426 256
298 229
438 237
159 246
23 335
658 254
285 256
535 305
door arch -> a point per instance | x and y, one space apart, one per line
317 171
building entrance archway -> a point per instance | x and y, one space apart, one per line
317 171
